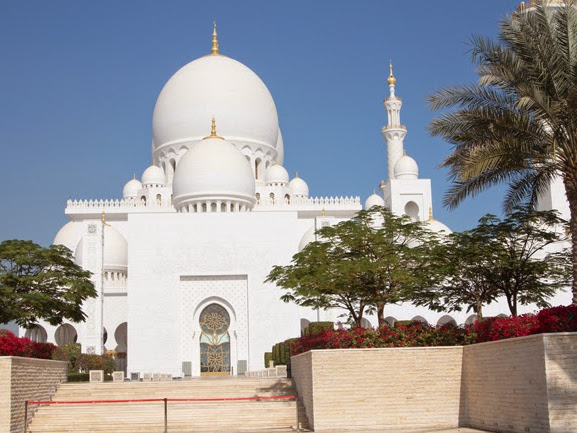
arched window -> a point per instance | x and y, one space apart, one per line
412 210
366 324
271 197
446 320
390 321
158 199
223 207
213 207
258 197
173 164
143 200
257 168
420 319
36 333
65 334
204 207
287 199
121 337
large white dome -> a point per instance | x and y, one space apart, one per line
213 171
214 85
115 250
68 236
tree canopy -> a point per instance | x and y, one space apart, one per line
41 283
514 257
518 124
360 265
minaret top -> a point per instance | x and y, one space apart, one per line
214 40
392 80
213 133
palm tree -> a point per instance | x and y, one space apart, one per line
518 125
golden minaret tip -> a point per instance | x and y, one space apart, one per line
431 214
392 80
213 133
214 40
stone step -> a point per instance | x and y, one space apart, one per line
148 417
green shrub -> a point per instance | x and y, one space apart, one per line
86 362
267 358
315 328
78 377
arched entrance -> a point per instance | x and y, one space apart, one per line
214 324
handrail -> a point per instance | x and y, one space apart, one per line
148 400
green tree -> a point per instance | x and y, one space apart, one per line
41 283
464 259
518 125
525 265
361 265
501 257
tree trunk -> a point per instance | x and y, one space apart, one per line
381 314
571 191
479 309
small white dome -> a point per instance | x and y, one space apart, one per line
307 238
131 188
437 227
153 176
406 168
115 250
68 236
276 174
213 170
374 200
299 187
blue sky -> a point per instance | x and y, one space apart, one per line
78 83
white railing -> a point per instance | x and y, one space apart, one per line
310 202
263 204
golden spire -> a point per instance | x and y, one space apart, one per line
103 217
324 212
214 40
392 80
213 133
431 214
297 175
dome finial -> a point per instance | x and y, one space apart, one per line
214 40
392 80
431 214
213 133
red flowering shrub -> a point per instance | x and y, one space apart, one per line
10 345
558 319
417 334
498 328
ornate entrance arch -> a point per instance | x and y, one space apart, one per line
214 341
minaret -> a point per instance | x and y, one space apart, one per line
394 133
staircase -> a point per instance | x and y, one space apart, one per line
132 417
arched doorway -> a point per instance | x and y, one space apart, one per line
214 323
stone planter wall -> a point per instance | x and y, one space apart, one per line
522 385
24 379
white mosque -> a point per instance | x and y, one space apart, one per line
180 261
